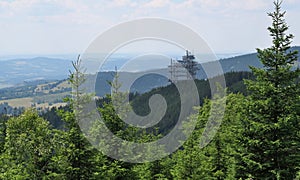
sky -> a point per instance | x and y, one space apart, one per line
69 26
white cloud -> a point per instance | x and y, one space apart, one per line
247 5
157 3
218 21
121 2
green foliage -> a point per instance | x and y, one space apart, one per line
219 159
272 125
54 118
29 147
234 82
78 152
153 170
257 138
3 119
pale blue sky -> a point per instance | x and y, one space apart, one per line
68 26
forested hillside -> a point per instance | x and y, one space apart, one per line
242 63
258 136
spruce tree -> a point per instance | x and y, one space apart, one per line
3 119
79 152
218 159
271 134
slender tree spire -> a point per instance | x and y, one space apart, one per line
271 136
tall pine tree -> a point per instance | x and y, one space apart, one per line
272 128
79 152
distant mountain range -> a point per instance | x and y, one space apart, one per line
149 80
242 63
18 71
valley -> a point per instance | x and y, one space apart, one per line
30 89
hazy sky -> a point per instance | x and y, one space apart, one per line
68 26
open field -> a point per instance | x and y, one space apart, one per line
46 101
18 102
53 86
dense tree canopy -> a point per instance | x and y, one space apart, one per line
258 136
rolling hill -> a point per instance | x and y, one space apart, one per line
242 63
18 71
40 70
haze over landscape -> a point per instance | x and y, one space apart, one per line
61 27
150 89
64 29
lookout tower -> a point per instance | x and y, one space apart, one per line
184 69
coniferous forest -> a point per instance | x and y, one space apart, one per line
259 137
